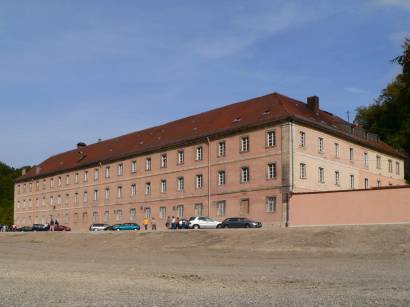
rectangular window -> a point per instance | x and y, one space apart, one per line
352 181
270 138
199 181
199 208
321 146
366 183
397 168
390 166
378 162
95 217
147 213
51 185
351 154
96 174
366 159
163 161
107 172
180 211
221 208
76 178
118 215
133 166
221 149
162 213
133 190
95 195
58 200
271 170
199 153
59 181
302 140
30 187
119 192
67 179
337 178
163 186
244 174
106 216
180 183
244 206
76 200
37 186
244 144
271 204
302 171
221 177
147 188
133 215
181 157
148 164
120 169
321 175
85 197
337 150
107 193
85 176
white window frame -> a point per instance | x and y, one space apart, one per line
119 192
133 166
199 182
148 164
321 175
302 138
271 202
321 145
221 177
303 170
180 183
120 169
180 157
337 178
199 156
147 188
271 138
107 171
245 174
133 190
221 208
271 170
245 144
221 149
337 150
163 185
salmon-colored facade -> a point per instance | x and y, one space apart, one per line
388 205
245 171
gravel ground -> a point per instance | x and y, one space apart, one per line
349 266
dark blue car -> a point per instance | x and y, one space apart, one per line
125 226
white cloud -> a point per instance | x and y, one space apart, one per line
355 90
399 3
248 28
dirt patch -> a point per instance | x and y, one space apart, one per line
311 266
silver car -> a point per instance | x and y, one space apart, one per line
203 222
98 227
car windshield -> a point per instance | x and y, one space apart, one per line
192 218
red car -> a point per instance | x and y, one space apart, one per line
61 228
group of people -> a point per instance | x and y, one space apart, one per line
176 223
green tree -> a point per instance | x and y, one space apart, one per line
7 177
389 115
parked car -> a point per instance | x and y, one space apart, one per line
41 227
25 229
98 227
124 226
240 222
61 228
203 222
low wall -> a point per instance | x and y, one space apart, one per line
374 206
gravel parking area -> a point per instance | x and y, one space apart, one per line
353 266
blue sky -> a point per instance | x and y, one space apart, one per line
81 70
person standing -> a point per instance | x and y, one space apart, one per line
173 223
51 223
168 223
153 224
145 222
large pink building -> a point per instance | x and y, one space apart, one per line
239 160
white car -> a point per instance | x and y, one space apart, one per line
203 222
98 227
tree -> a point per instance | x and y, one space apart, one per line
389 115
7 176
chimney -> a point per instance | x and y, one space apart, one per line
313 103
81 144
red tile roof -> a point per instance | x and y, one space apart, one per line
228 119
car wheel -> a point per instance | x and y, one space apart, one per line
219 226
247 226
225 226
195 227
